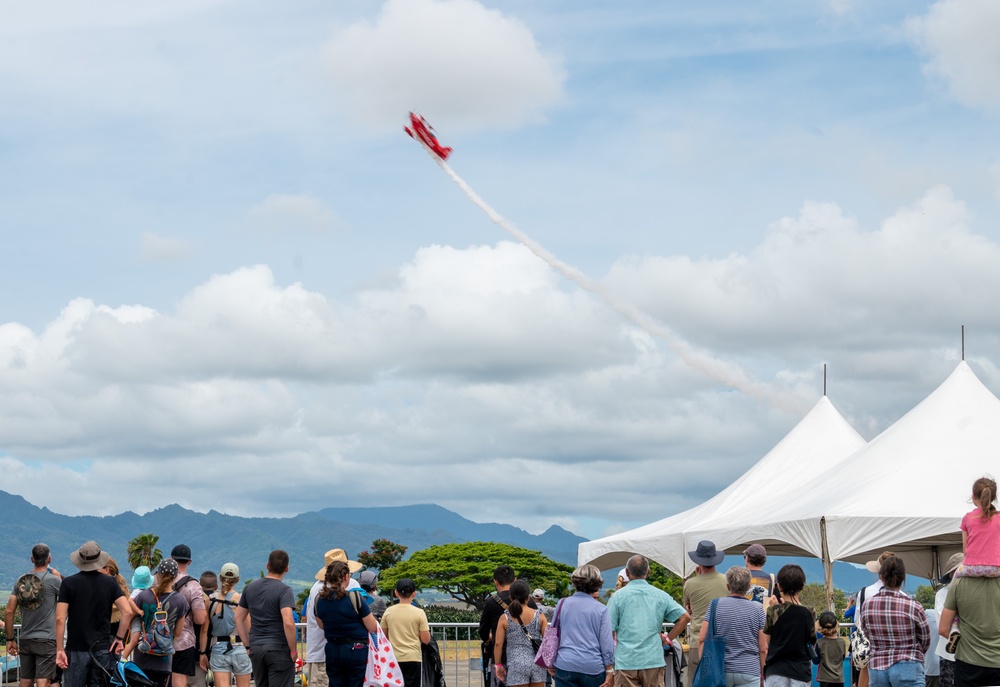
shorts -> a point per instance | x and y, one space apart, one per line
184 661
978 571
38 659
236 661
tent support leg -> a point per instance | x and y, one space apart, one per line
936 569
827 566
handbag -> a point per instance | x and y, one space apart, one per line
383 668
546 656
711 670
861 648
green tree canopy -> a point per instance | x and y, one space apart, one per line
465 571
925 595
142 551
382 555
662 578
813 596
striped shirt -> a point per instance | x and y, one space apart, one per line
897 628
740 621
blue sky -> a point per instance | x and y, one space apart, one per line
223 257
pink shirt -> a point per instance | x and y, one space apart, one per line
982 540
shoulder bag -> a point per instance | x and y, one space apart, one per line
711 670
861 648
546 656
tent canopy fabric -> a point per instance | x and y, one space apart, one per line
822 437
905 491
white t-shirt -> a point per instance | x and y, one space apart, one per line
869 591
939 598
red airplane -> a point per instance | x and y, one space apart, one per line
423 132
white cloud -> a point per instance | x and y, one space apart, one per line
960 40
292 212
163 248
455 60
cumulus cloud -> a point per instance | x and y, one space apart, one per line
455 60
158 248
959 38
292 212
482 363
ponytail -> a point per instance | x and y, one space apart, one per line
519 592
984 490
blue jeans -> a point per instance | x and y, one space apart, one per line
568 678
901 674
742 680
346 663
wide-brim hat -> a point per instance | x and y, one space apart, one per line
706 554
332 556
89 557
953 563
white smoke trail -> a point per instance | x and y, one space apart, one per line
722 371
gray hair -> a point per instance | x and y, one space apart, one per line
738 579
587 579
638 567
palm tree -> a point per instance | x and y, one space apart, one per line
142 551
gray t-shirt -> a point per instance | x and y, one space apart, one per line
41 622
264 598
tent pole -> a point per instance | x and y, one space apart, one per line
936 566
827 566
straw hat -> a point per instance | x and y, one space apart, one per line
332 556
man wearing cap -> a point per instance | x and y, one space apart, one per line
699 591
946 665
976 601
270 640
315 666
761 582
83 619
638 611
35 644
186 650
368 580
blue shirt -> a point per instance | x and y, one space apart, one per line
585 642
638 611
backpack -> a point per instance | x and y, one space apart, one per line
157 639
223 623
30 591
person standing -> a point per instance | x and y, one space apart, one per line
368 580
638 611
761 581
315 666
228 655
406 627
496 604
707 584
519 667
741 621
791 628
898 631
976 600
35 644
345 620
83 617
270 639
159 597
586 655
946 664
186 650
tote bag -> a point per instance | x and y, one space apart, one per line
712 666
546 656
383 668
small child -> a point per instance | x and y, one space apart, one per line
832 650
980 542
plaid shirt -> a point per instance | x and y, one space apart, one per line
897 628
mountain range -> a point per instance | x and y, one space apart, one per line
216 538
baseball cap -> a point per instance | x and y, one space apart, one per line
230 570
181 553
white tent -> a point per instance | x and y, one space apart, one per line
906 491
822 437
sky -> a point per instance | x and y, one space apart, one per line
232 282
